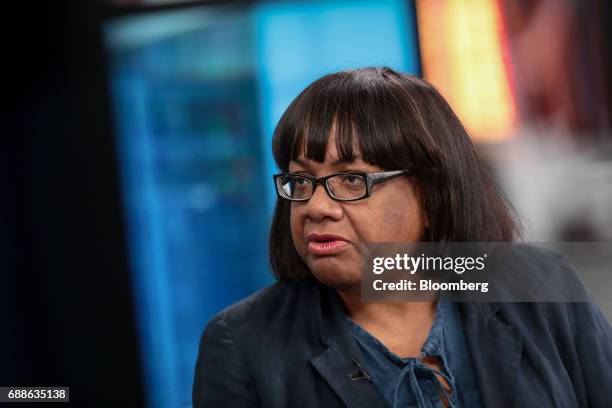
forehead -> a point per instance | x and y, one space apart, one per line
332 153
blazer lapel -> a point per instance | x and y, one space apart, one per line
495 349
351 384
340 363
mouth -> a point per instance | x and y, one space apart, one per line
326 244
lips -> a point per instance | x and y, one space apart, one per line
326 244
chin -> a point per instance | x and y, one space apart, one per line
335 276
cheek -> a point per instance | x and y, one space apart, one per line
409 225
390 220
297 230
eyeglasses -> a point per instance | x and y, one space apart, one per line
339 186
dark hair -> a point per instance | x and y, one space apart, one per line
398 121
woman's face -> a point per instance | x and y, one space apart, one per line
326 233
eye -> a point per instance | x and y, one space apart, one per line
352 180
301 181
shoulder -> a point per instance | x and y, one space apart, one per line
268 312
539 287
538 258
243 342
267 302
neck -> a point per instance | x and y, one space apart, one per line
402 326
392 312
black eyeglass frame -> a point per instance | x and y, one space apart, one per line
371 180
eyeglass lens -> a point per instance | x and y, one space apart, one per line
341 186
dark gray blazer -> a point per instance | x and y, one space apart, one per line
289 345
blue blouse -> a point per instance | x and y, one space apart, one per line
407 382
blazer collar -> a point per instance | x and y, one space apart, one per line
495 349
480 310
340 362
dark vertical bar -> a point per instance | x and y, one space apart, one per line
65 275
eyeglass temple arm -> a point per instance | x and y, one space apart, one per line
387 175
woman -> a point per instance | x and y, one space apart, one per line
373 155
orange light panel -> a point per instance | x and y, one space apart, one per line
463 55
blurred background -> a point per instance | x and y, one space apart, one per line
138 166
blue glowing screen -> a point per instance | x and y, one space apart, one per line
196 94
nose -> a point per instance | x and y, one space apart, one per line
321 206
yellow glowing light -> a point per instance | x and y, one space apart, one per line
463 56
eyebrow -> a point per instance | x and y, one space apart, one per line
334 163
